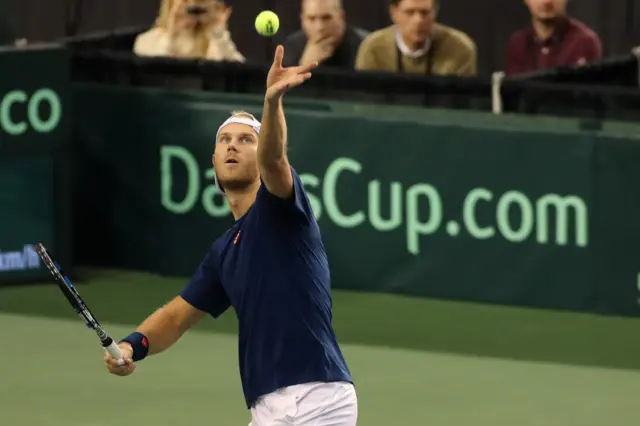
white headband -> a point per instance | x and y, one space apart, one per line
253 123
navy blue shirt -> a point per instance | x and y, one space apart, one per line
271 266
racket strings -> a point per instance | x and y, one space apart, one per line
72 295
69 290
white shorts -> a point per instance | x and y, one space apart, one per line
309 404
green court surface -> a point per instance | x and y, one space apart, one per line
415 362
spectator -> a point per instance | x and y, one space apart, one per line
552 40
416 44
190 29
325 37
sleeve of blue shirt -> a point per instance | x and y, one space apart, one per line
298 204
204 291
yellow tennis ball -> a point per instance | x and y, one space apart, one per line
267 23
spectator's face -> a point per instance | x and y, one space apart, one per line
415 19
235 158
208 12
547 10
322 18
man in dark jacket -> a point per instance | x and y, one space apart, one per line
325 37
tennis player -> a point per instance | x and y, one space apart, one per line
271 266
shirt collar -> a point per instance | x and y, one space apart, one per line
558 34
408 52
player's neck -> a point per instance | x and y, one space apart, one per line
241 201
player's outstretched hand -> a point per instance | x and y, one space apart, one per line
280 79
121 370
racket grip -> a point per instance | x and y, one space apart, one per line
114 351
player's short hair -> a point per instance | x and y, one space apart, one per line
241 113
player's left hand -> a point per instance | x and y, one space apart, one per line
281 79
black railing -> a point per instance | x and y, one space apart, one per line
604 90
614 71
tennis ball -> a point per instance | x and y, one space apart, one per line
267 23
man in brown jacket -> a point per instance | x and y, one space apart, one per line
416 44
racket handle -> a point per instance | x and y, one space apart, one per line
114 351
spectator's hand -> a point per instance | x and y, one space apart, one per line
318 50
178 19
220 18
281 79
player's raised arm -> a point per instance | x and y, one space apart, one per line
272 147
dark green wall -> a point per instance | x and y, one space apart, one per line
510 210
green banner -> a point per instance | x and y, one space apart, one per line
452 205
33 91
616 220
26 217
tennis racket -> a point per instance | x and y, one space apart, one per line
78 304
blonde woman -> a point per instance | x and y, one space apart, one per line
190 29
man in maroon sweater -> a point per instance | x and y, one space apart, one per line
552 40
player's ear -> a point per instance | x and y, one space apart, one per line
213 160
